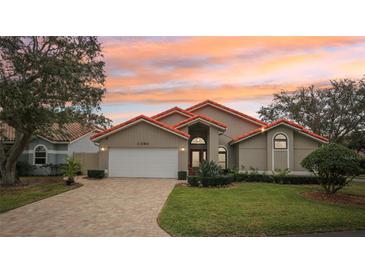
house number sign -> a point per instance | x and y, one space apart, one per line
143 143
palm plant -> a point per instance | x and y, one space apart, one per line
209 169
70 169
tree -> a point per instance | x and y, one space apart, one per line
70 170
335 165
356 141
47 80
335 112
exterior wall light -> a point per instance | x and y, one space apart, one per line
102 148
182 149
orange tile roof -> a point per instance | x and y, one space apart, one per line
171 111
227 109
67 133
141 117
275 123
203 117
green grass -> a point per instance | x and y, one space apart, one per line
13 197
256 209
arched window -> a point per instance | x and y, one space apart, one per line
40 155
280 141
222 157
198 141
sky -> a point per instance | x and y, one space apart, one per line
146 75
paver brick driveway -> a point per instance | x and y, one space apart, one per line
108 207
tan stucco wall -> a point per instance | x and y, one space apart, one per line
302 147
213 142
173 119
235 126
257 152
146 133
252 153
223 142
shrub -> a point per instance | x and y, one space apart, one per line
181 175
296 180
220 180
194 180
252 177
55 169
280 175
335 165
217 181
209 169
227 171
70 169
95 173
362 165
24 168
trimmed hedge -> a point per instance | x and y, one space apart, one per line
97 174
181 175
277 179
217 181
296 180
194 180
221 180
252 177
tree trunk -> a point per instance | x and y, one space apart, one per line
8 175
8 159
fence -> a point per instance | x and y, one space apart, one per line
87 161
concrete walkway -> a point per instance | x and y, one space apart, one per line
108 207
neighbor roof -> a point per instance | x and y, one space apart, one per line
201 118
173 110
277 123
226 109
159 124
67 133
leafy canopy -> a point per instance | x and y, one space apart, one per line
44 80
333 164
47 80
336 111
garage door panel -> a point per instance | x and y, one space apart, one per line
143 162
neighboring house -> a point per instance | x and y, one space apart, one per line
180 139
51 149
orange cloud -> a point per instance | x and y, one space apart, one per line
224 93
189 69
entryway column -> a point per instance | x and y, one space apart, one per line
213 143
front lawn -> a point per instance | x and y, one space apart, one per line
13 197
256 209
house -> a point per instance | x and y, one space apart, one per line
180 139
48 150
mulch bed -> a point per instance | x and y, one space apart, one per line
338 198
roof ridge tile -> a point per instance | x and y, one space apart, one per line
228 109
140 117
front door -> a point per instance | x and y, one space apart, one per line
197 156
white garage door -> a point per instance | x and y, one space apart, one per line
143 162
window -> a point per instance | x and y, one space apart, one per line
40 155
195 158
222 157
198 141
280 141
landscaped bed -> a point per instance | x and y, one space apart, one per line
32 189
257 209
